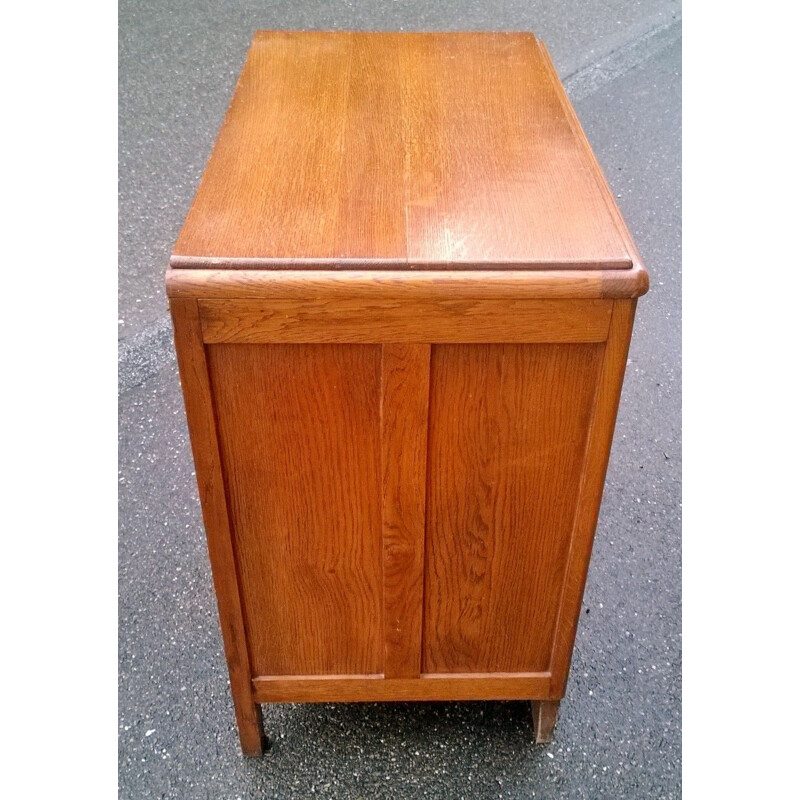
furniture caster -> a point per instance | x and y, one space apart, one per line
544 713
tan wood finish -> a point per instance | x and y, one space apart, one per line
299 431
404 416
587 506
439 150
376 688
493 165
202 429
507 431
451 320
428 286
402 301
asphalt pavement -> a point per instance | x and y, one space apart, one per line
618 734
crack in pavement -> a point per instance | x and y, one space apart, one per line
588 80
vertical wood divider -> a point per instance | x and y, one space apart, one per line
405 378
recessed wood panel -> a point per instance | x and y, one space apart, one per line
507 436
299 432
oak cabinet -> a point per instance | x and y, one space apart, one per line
402 302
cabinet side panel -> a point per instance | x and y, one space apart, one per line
508 427
299 429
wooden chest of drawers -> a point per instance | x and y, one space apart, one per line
402 302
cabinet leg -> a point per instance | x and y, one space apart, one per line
251 730
544 714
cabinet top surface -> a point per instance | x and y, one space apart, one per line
395 151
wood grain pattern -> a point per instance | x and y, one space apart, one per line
507 433
397 285
453 320
404 437
494 172
299 430
598 448
305 165
404 150
605 189
375 688
203 433
402 298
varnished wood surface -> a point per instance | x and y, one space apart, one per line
202 429
316 464
421 321
391 150
494 169
404 439
507 434
402 299
299 431
605 189
441 285
600 435
375 688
